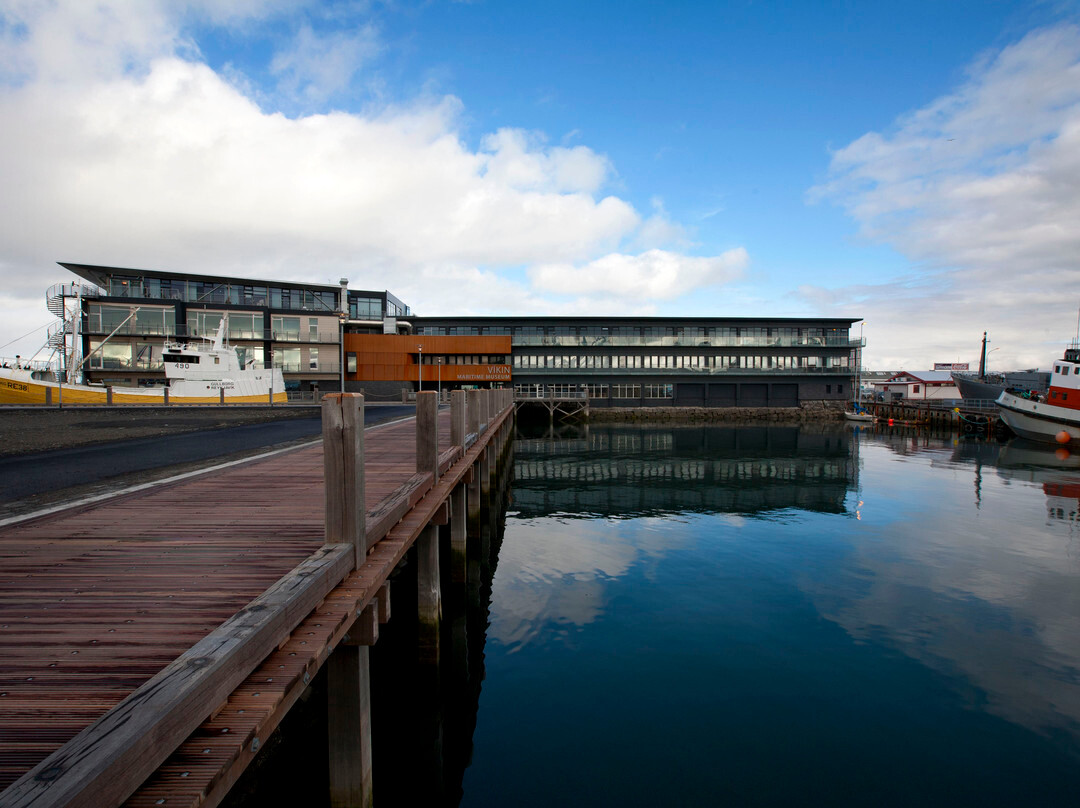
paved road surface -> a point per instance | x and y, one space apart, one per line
31 481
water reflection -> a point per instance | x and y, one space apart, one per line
717 580
979 584
627 471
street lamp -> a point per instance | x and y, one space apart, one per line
420 368
438 361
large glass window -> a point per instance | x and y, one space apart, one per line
250 355
286 328
203 323
288 359
626 391
658 391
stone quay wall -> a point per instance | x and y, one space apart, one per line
806 411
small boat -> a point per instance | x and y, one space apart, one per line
195 373
860 417
1053 417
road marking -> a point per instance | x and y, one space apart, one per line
12 520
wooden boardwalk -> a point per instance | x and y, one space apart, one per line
97 600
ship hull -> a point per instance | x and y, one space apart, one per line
18 388
1038 421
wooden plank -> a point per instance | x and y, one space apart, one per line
110 758
395 505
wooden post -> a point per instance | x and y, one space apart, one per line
457 419
343 471
108 394
221 395
270 396
48 396
458 534
473 424
349 726
427 433
166 396
428 594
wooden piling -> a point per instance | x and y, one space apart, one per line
427 433
349 726
343 471
428 595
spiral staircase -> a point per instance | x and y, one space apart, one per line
62 336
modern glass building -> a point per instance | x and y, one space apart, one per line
672 361
325 336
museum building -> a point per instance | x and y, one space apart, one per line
324 337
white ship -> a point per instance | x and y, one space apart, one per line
195 373
1055 416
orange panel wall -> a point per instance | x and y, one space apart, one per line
392 357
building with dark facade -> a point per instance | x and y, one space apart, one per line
672 361
325 336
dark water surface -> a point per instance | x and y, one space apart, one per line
722 616
782 616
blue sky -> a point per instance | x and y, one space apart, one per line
912 164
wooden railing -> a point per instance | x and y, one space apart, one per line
107 761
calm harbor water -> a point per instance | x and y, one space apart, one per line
741 616
779 616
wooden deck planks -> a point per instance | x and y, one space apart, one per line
96 600
197 774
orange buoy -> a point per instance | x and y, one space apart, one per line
890 422
1063 437
1062 453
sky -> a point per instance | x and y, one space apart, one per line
915 165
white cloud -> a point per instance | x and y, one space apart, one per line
318 67
651 275
981 190
130 151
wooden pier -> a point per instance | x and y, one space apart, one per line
962 419
150 643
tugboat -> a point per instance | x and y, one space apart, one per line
1055 416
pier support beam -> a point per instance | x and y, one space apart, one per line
349 726
428 595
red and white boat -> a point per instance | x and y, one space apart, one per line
1055 416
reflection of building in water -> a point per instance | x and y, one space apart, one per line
638 470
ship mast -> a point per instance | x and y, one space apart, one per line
982 360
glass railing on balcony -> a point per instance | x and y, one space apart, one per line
531 340
728 371
107 363
306 367
304 336
182 332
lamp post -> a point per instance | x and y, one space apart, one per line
341 340
420 368
438 361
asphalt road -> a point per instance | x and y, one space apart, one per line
29 480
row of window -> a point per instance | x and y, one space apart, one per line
595 390
629 331
103 318
674 362
147 356
464 359
238 294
